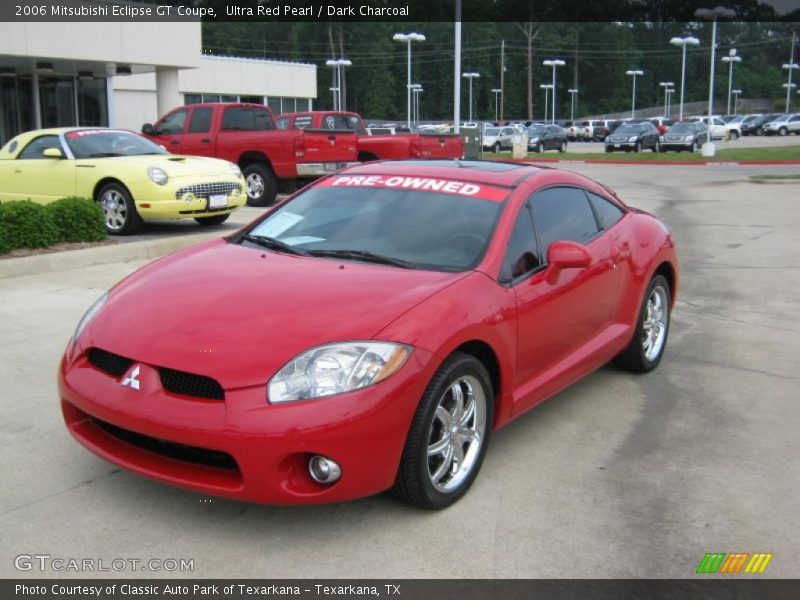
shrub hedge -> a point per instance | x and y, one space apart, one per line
25 224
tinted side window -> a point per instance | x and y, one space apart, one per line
200 121
563 213
282 123
263 120
173 123
608 213
522 253
238 119
35 148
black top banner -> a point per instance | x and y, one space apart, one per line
393 10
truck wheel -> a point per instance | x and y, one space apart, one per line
262 186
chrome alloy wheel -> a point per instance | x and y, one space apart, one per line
456 434
255 185
116 209
654 328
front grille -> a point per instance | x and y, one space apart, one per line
189 384
619 138
111 363
673 138
204 190
174 450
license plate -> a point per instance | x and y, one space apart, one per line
617 145
331 167
218 201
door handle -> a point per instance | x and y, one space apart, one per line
331 138
621 252
174 142
205 141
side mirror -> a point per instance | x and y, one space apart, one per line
568 255
52 153
148 129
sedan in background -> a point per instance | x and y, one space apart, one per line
133 179
547 137
370 332
684 135
633 137
496 139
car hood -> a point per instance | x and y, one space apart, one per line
238 314
176 165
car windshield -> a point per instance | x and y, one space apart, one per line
630 129
374 219
100 143
682 128
491 131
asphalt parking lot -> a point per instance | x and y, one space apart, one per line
619 476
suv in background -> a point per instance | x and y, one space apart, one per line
783 125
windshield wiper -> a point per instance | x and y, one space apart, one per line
364 255
273 244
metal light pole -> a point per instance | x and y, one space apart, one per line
735 100
789 85
712 14
634 73
408 38
470 76
667 85
730 59
683 42
335 94
546 87
496 91
416 90
669 93
572 93
553 63
338 64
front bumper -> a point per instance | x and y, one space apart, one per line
249 449
676 145
620 145
321 168
171 204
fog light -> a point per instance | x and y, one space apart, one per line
188 198
235 193
324 470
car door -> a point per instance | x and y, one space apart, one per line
38 177
197 138
794 124
170 129
560 315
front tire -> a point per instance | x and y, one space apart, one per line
497 148
119 208
783 131
563 147
261 185
734 135
647 346
638 147
449 435
213 220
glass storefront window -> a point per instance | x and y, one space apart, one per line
92 103
57 98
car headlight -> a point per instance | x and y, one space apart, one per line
335 369
157 175
235 168
533 140
632 138
688 138
89 315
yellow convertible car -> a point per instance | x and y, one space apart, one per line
132 178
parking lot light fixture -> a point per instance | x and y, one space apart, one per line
634 73
555 62
572 92
683 42
789 85
730 59
338 64
408 38
667 85
470 76
496 92
546 87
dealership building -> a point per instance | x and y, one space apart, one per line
123 74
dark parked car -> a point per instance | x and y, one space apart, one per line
684 135
634 137
547 137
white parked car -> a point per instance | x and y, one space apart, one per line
783 125
720 130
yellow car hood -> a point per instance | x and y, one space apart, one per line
176 165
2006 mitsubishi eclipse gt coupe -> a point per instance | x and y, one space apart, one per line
370 332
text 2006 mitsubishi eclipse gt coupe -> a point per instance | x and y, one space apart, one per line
370 332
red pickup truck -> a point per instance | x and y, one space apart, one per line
246 134
376 147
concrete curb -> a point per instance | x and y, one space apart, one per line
87 257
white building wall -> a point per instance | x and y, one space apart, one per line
133 108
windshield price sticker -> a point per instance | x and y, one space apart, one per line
422 184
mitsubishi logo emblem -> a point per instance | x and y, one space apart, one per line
132 378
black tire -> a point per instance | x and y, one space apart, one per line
413 484
638 147
540 147
563 147
121 216
634 357
693 147
609 149
783 131
759 131
261 185
497 148
734 135
213 220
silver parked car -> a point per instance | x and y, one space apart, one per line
498 138
783 125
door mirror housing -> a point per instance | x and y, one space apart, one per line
148 129
52 153
568 255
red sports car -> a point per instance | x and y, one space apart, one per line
370 332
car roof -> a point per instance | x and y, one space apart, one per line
500 173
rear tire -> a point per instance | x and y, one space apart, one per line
649 340
563 147
261 185
449 435
121 217
213 220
